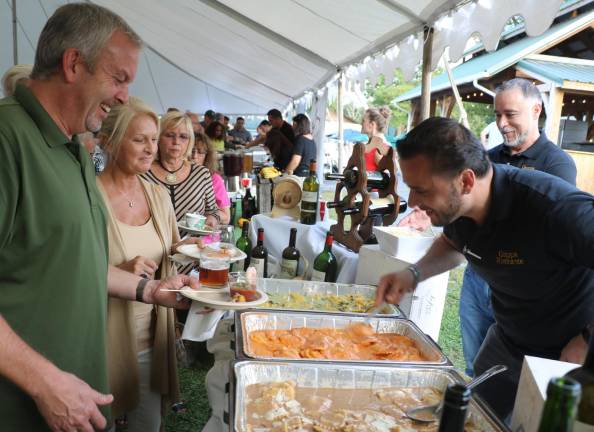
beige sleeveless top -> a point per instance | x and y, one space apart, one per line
142 240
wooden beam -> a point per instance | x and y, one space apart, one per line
426 78
574 85
554 109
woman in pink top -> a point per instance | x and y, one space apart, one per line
375 123
204 153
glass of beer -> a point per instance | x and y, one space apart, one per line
214 270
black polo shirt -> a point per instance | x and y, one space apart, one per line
536 251
543 155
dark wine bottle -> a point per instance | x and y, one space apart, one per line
558 414
248 205
455 407
245 245
310 196
375 179
325 266
290 260
259 256
584 375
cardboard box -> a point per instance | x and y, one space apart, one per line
425 306
532 390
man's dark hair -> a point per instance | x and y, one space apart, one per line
449 146
226 118
264 123
274 113
528 88
239 118
302 125
210 114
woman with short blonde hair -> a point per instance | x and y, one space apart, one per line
189 185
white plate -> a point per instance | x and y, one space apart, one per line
203 231
181 259
219 299
193 251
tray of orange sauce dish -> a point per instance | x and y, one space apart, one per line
291 336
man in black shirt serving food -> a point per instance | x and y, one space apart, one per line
530 235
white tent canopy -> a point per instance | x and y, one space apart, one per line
247 56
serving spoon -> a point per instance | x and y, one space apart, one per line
430 413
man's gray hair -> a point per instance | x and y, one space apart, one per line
528 88
84 26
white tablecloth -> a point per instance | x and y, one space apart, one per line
310 242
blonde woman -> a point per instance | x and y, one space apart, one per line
204 154
142 232
189 185
375 124
17 74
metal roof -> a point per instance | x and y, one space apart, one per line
487 65
558 69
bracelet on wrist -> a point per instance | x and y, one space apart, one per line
140 289
415 273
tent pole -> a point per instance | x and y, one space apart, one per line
463 115
15 51
426 78
340 113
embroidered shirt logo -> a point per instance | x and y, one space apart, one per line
509 258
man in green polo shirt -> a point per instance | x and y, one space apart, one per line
54 275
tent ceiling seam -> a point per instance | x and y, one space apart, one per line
329 21
148 64
401 10
270 34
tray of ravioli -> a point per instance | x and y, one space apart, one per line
276 396
274 335
316 296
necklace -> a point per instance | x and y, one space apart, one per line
126 197
171 176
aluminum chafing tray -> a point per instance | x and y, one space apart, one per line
316 375
309 288
250 320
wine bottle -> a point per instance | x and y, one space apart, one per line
560 407
259 256
248 205
290 260
584 375
244 244
377 206
455 407
310 196
375 179
325 265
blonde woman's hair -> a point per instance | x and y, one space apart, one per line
118 121
13 76
172 120
210 161
380 116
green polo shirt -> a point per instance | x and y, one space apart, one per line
53 252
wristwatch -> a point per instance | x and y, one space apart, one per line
140 289
415 273
587 332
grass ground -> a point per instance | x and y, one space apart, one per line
192 378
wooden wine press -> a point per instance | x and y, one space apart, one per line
362 222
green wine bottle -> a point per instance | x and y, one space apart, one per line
455 407
558 414
584 421
310 196
245 245
259 258
291 255
325 266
